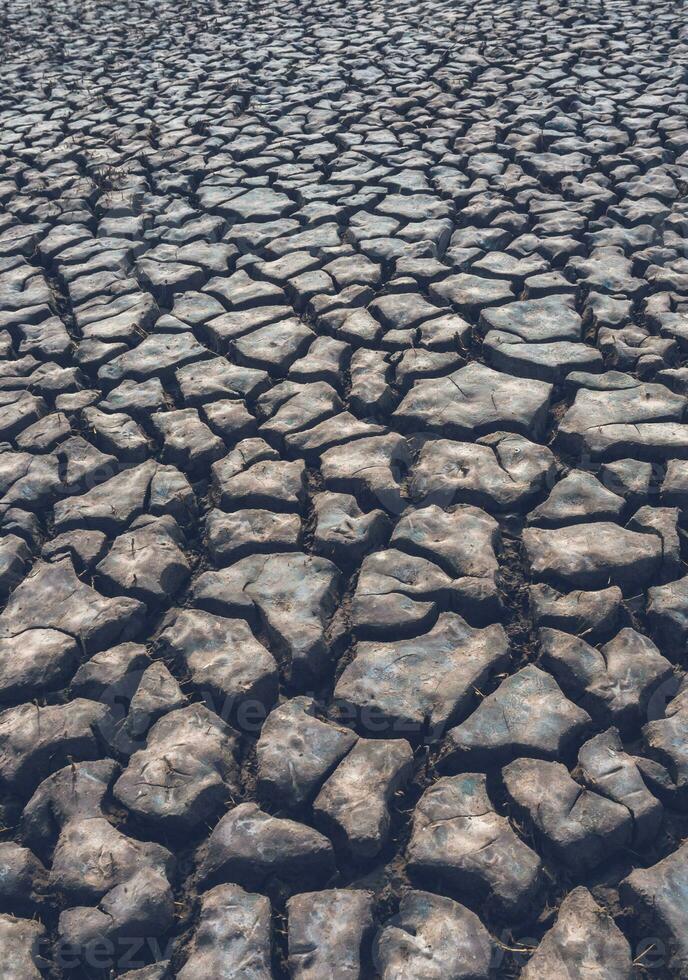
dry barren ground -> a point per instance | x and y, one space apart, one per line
343 490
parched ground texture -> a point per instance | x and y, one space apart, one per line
343 490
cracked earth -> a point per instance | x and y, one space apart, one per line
343 490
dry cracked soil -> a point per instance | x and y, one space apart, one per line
343 490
